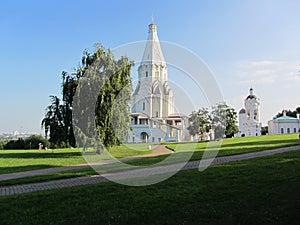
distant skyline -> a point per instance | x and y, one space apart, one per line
244 43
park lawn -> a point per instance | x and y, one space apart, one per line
257 191
229 147
24 160
232 146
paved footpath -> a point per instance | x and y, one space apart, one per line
136 173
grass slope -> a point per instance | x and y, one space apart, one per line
24 160
257 191
17 160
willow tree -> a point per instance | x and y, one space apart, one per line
95 101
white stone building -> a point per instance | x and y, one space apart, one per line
152 110
284 124
249 121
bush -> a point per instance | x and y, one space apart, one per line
15 144
31 142
3 143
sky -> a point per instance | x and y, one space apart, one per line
249 43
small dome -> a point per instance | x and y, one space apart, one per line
242 111
251 97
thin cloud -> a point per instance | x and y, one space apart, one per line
266 72
262 63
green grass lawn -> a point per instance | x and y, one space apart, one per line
230 146
258 191
23 160
17 160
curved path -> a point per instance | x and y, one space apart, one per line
142 172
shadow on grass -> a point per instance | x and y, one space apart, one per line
40 155
266 144
16 169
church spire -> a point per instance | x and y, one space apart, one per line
153 53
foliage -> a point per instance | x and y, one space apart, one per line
289 113
31 142
95 89
3 143
224 120
200 122
264 130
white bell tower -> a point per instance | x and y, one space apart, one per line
249 121
153 96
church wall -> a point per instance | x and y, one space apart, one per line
283 127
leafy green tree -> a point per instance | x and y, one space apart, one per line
200 122
103 99
224 120
54 123
289 113
264 130
95 102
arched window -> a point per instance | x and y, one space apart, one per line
288 130
143 105
282 131
146 73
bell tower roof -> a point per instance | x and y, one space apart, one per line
251 95
153 53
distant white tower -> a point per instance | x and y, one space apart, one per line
153 96
249 121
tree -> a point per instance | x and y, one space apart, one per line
224 120
54 123
94 98
200 122
264 130
289 113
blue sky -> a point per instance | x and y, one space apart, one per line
245 43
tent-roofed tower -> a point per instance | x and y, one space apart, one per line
153 96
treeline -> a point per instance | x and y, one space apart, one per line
31 142
289 113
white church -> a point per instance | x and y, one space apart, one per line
152 111
249 120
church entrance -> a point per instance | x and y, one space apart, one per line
144 137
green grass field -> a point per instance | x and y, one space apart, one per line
258 191
23 160
18 160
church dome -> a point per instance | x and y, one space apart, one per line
251 96
242 111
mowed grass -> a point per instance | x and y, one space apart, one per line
258 191
15 161
230 146
24 160
233 146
